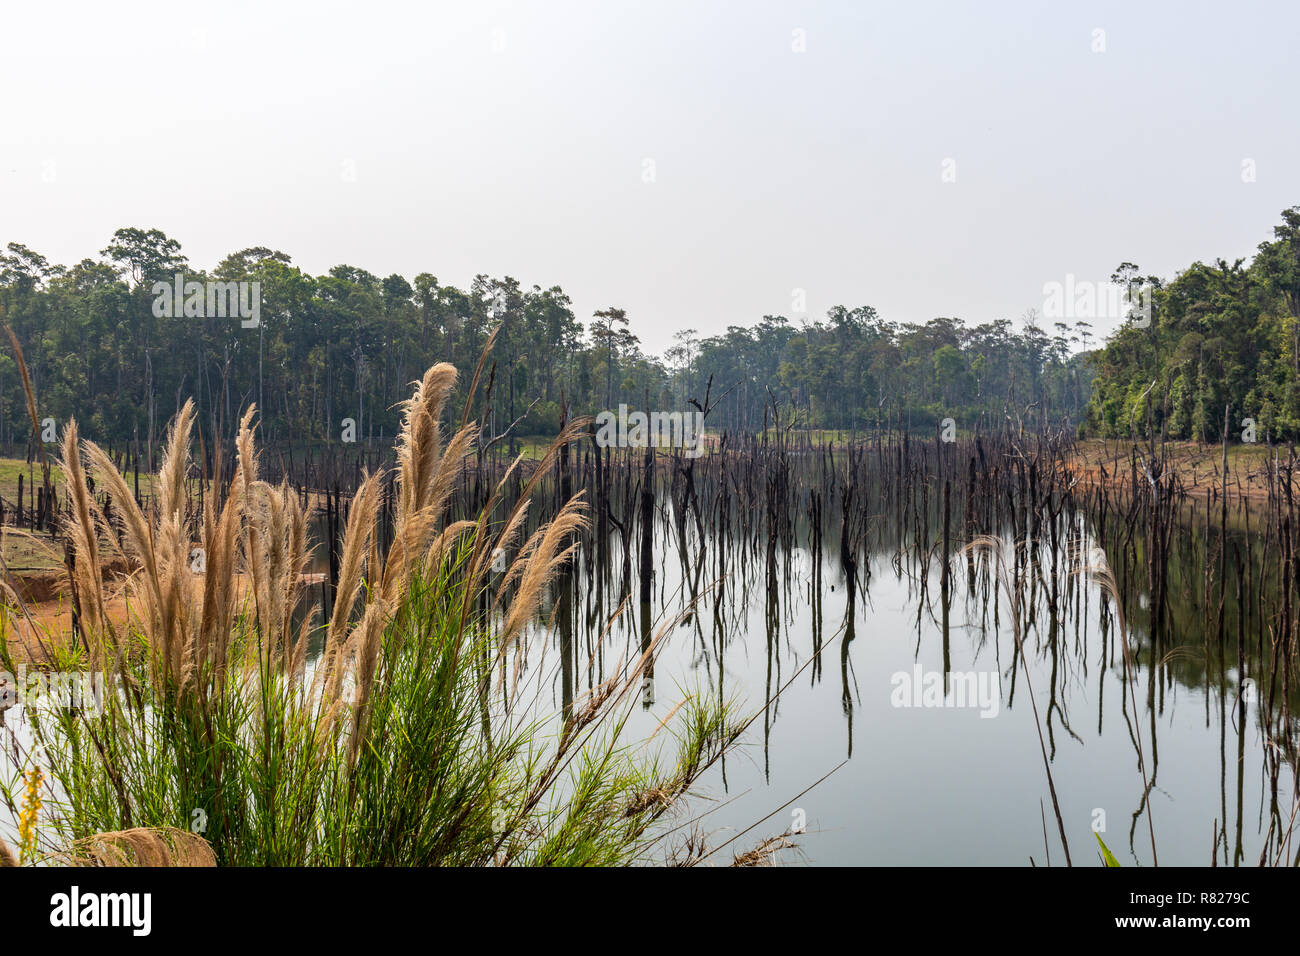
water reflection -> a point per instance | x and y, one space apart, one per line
776 616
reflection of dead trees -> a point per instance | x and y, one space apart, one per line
1012 582
772 652
647 520
815 586
846 665
758 512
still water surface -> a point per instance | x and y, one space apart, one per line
943 785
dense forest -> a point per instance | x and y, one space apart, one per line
346 344
1224 339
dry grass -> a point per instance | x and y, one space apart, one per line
766 852
396 750
260 531
142 846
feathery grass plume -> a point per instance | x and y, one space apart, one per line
450 466
166 597
356 536
85 544
411 537
539 567
374 566
276 553
141 846
136 541
216 617
172 539
7 857
425 477
172 500
225 548
247 466
419 442
418 527
278 570
299 555
504 542
481 560
170 620
270 522
259 527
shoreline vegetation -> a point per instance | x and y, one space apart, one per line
410 737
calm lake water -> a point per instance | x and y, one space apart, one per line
944 785
917 778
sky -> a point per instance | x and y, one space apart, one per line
700 164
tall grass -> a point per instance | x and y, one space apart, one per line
416 737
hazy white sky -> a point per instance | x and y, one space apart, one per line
512 138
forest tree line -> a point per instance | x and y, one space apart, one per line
346 345
1223 340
